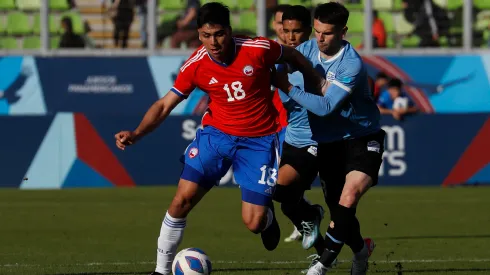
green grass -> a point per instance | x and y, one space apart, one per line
114 231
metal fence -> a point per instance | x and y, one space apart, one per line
466 29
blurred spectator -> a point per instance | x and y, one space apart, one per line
425 15
379 84
142 9
69 39
277 23
379 32
72 4
122 14
182 30
394 102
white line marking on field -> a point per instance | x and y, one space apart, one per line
252 262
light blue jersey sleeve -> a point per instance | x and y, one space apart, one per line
339 89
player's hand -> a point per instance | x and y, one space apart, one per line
125 138
280 79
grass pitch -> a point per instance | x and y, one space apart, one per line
114 231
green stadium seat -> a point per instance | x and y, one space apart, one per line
8 43
410 41
359 6
387 18
54 24
402 26
54 42
7 4
356 22
169 16
382 4
390 42
60 5
248 22
32 42
2 26
454 4
18 23
76 20
245 4
482 4
441 3
29 4
172 4
355 40
397 5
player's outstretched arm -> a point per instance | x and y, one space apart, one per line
157 113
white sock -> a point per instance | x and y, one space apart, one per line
171 234
270 217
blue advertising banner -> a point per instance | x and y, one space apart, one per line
77 150
97 85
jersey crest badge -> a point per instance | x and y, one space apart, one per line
193 152
330 76
248 70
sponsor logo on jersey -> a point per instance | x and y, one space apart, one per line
313 150
213 81
248 70
193 152
373 146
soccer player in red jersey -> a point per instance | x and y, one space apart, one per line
240 127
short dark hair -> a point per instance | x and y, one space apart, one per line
332 13
381 75
68 23
395 82
299 13
213 13
280 8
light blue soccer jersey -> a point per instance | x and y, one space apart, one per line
298 132
348 109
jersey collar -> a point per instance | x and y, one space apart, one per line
333 58
224 64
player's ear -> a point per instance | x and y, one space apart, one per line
344 31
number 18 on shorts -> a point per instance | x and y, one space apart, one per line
254 161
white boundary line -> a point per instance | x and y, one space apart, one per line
254 262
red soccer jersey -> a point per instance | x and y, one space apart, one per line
283 114
240 99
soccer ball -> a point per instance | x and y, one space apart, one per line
191 261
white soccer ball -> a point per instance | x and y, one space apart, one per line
191 261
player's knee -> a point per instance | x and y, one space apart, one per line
255 222
350 197
181 206
290 194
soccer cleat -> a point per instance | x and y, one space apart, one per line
317 269
156 273
314 259
360 260
311 229
295 236
272 235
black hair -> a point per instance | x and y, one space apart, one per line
280 8
298 13
213 13
68 23
395 82
381 75
332 13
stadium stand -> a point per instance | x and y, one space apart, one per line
20 21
